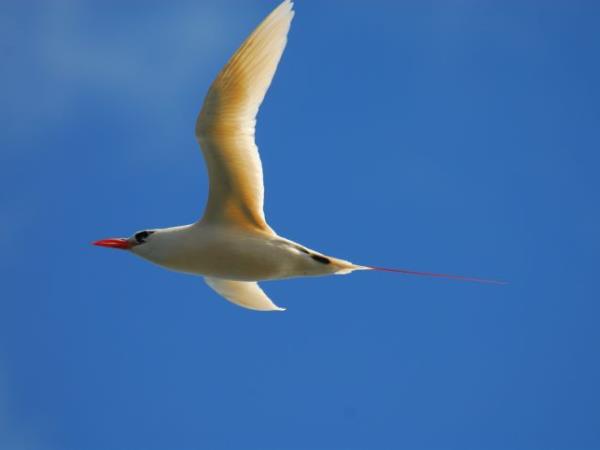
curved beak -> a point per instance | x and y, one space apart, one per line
121 243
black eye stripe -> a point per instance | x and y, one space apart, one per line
141 236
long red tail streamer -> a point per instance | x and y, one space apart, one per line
437 275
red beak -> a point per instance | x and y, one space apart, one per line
121 243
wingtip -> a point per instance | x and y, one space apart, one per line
271 308
287 4
274 308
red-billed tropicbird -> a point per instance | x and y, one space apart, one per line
232 246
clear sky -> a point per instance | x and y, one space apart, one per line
452 136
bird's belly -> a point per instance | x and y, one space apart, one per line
243 260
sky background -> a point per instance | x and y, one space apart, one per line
452 136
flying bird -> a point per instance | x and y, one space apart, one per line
232 245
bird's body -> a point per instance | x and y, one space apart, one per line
232 246
235 253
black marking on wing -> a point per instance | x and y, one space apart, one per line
297 247
318 258
321 259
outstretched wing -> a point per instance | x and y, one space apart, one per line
244 293
225 126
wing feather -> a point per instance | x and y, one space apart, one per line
225 126
247 294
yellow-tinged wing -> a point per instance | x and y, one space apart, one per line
226 123
247 294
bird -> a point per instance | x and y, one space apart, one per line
232 246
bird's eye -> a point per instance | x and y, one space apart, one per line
141 236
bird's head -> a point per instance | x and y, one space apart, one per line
132 243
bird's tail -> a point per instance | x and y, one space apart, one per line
353 267
345 267
432 274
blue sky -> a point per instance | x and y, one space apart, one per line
456 136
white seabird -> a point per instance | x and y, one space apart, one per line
232 246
